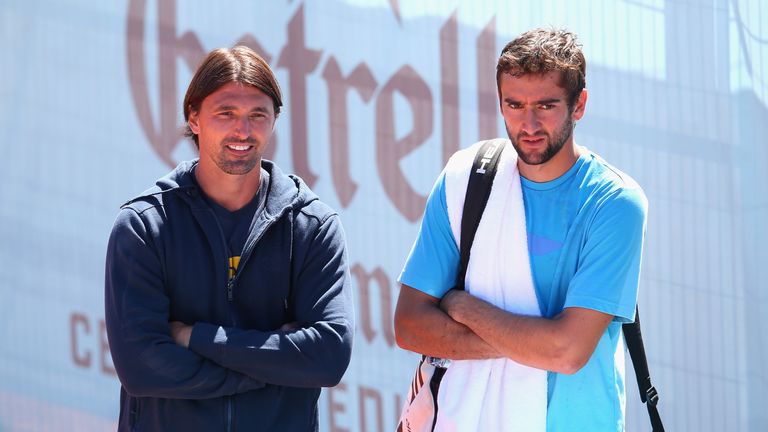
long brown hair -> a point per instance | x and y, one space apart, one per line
224 65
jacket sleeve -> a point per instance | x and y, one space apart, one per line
146 358
318 352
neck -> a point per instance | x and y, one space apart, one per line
232 192
553 168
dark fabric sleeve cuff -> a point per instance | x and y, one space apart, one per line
202 342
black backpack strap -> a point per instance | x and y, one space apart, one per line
648 394
475 199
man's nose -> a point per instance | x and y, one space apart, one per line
243 127
531 123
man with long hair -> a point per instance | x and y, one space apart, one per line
228 303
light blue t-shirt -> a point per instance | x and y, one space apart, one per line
585 237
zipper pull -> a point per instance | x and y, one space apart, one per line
230 286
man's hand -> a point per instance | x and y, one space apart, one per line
421 326
453 302
181 333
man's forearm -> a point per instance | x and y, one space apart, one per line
561 344
311 356
421 326
512 335
436 334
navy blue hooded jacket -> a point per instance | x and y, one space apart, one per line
167 260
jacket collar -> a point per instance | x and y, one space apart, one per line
285 191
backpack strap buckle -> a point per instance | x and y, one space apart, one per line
651 396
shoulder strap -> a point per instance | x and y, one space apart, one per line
648 394
478 191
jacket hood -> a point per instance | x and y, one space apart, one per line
285 190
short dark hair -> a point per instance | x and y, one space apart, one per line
542 50
222 66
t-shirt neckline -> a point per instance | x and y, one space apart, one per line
530 184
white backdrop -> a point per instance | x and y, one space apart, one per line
377 94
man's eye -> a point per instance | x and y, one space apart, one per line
225 114
547 107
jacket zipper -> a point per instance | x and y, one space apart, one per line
244 258
249 249
229 413
230 289
134 413
247 254
230 280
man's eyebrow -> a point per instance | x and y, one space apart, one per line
548 101
538 102
235 108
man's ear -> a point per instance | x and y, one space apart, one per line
194 122
581 105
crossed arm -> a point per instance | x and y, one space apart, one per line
146 359
462 327
182 333
315 350
149 351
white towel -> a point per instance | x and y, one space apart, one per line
493 395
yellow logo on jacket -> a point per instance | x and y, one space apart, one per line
233 263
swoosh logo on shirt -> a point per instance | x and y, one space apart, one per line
539 245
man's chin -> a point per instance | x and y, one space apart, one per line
238 167
531 158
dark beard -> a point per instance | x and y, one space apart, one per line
241 167
236 167
554 144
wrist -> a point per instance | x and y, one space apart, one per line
451 303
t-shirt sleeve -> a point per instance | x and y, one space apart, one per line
608 274
432 265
